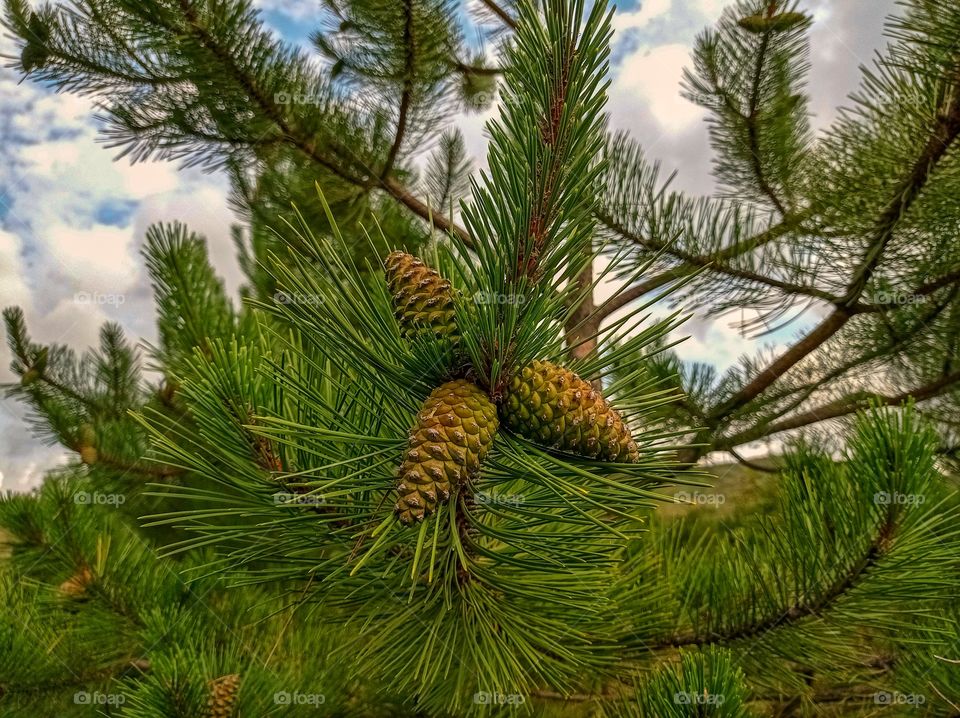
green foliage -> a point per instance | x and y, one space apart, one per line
705 684
857 562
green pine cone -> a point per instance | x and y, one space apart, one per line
551 405
223 696
422 299
454 431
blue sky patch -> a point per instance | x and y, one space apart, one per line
115 212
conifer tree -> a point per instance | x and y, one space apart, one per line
391 483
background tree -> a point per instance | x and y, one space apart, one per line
272 443
854 224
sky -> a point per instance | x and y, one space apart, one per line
72 219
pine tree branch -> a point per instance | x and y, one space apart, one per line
806 391
751 464
71 394
638 291
752 131
544 208
944 133
845 406
833 323
406 97
504 16
715 262
307 146
420 208
813 607
272 111
923 290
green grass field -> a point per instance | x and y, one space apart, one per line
733 488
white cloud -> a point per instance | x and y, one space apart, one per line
98 258
636 19
719 343
711 9
295 9
13 288
648 83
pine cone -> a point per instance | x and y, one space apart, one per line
422 299
88 448
453 433
89 455
552 405
35 371
223 696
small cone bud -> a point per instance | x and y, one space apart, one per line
34 56
479 90
551 405
36 53
454 431
75 587
422 299
782 22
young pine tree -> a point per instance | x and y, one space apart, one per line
391 485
